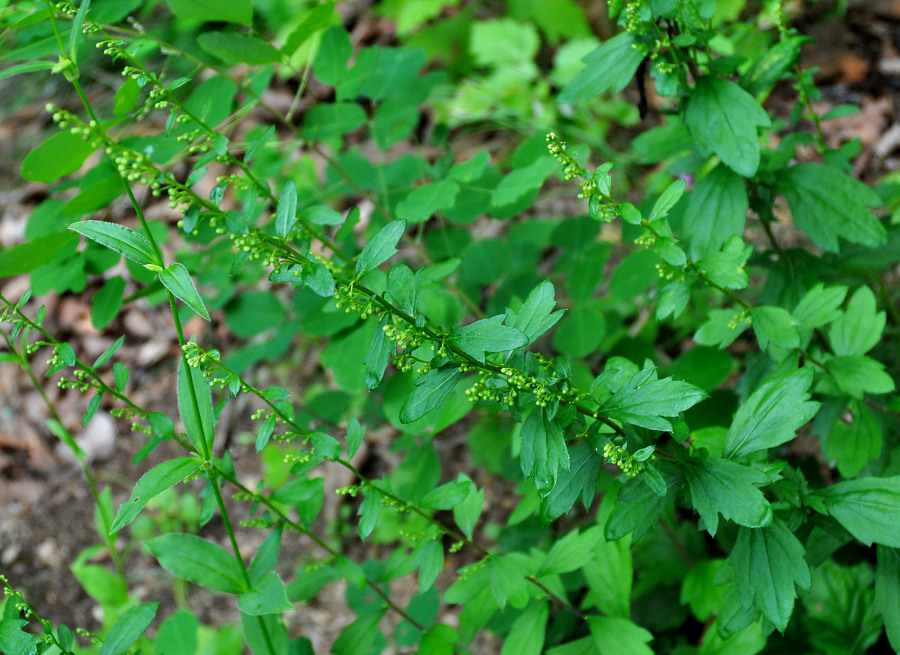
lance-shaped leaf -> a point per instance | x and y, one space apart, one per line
176 279
536 314
644 400
772 414
612 65
578 480
720 486
199 425
487 336
381 248
128 628
869 508
378 355
430 391
543 451
286 215
887 593
197 560
119 238
768 565
152 483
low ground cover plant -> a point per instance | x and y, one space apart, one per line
687 380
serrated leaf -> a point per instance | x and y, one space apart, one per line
722 327
487 336
570 552
723 118
638 507
859 375
868 508
197 560
644 400
286 215
720 486
536 314
267 596
428 394
125 241
819 307
128 628
378 355
858 329
15 640
826 203
611 66
579 480
176 279
772 414
543 451
774 325
161 477
317 18
768 565
507 578
381 248
717 210
853 445
619 636
425 201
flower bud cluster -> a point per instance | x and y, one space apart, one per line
570 167
406 338
623 459
82 383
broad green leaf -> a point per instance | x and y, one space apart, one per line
107 301
826 203
768 564
431 562
403 288
723 118
571 552
638 507
772 414
887 592
582 330
852 445
328 120
526 637
611 66
286 215
430 391
583 646
266 597
61 154
618 636
820 306
439 640
502 42
774 325
325 445
15 640
332 56
323 215
446 496
358 637
125 241
128 628
726 267
859 375
179 632
381 248
700 591
230 11
425 201
522 181
722 328
579 480
858 329
543 450
199 561
266 556
317 18
869 508
152 483
176 279
667 200
317 278
772 65
487 336
720 486
467 512
536 314
644 400
200 427
508 583
237 48
33 254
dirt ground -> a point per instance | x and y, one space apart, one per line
46 512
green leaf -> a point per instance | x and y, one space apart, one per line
323 215
772 414
869 508
768 565
726 267
403 288
425 201
128 628
15 640
571 552
378 355
176 279
667 200
230 11
266 597
197 560
446 496
179 632
161 477
820 307
859 375
522 181
381 248
772 65
887 593
286 215
332 56
120 376
722 328
431 562
318 279
543 450
826 203
317 18
358 637
858 329
618 636
644 400
32 254
467 512
853 445
61 154
579 480
611 66
638 507
774 325
325 121
582 330
430 391
200 427
107 301
237 48
527 634
507 578
355 436
536 314
109 352
720 486
266 556
125 241
723 118
27 67
487 336
325 445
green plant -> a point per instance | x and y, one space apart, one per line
700 523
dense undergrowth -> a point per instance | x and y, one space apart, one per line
638 372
